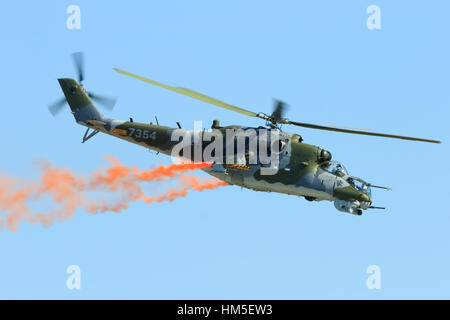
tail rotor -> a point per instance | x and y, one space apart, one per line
105 101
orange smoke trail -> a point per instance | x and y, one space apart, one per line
187 182
70 192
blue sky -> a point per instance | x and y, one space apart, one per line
230 243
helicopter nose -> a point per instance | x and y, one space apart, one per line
350 194
363 197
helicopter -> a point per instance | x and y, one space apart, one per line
301 169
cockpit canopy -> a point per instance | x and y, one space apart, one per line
336 168
360 185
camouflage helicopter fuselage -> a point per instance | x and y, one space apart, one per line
303 169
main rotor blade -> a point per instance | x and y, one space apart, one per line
106 101
78 60
320 127
192 94
57 106
347 127
274 118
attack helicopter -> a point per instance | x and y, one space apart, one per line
302 169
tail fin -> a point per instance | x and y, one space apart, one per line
81 105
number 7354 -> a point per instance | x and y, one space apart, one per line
145 134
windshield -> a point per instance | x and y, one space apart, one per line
338 169
360 185
335 168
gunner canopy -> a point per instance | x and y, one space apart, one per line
338 169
